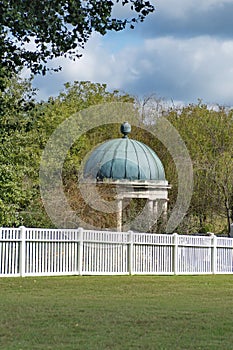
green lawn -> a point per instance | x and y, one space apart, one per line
126 312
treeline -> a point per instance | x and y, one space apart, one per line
26 126
207 133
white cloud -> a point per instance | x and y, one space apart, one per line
174 66
188 69
181 8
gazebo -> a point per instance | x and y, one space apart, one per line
135 170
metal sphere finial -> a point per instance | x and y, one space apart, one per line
125 129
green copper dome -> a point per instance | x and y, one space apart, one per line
124 159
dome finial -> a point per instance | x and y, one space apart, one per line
125 129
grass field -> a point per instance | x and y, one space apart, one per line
126 312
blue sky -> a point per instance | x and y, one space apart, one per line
182 52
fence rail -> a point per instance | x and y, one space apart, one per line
47 252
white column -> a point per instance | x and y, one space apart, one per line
165 209
150 212
156 209
119 215
151 206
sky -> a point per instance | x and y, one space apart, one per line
183 52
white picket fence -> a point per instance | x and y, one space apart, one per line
47 252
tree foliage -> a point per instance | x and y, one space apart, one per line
33 32
25 128
17 150
208 136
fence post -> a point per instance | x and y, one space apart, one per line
213 253
175 253
80 250
130 252
22 255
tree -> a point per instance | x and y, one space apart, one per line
208 136
33 32
25 127
17 150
